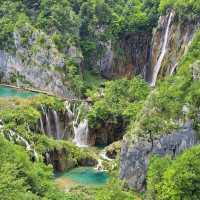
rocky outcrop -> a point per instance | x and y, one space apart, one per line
60 159
36 62
135 157
107 133
127 57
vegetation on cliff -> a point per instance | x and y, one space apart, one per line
78 33
174 179
174 100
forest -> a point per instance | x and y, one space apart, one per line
108 86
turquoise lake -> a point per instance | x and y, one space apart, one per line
12 92
86 176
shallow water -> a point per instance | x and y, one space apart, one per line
86 176
12 92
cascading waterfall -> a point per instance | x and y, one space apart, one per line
70 114
163 51
104 156
1 125
173 69
48 125
57 125
41 125
80 129
13 136
81 133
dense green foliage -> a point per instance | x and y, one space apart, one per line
186 9
88 26
113 190
177 179
22 116
120 100
21 179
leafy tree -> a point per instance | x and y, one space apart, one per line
121 99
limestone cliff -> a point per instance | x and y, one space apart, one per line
138 53
128 56
180 35
175 36
36 62
135 157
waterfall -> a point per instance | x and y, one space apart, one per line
104 156
1 125
70 114
20 138
173 69
57 124
163 51
81 133
80 128
48 125
41 125
99 166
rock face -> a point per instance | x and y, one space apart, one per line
35 62
60 159
179 37
128 57
135 157
138 53
108 133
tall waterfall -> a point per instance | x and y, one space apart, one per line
81 133
48 125
47 121
41 125
163 51
57 125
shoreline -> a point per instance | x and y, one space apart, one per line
38 91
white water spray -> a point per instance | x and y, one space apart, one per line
104 156
57 124
163 51
48 125
81 133
41 125
80 128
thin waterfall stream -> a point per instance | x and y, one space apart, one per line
57 125
163 51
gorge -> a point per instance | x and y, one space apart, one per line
99 100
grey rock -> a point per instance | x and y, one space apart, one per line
38 65
135 157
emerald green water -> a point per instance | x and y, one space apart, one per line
12 92
84 176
